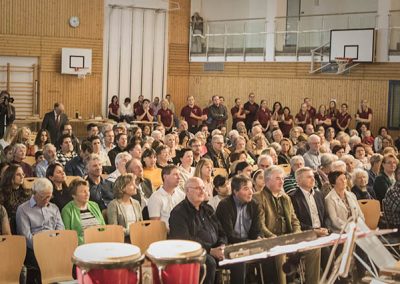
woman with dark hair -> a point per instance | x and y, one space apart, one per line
61 195
42 138
150 170
163 156
382 133
277 111
12 193
286 152
222 189
127 111
286 122
258 180
3 168
333 113
264 115
243 168
184 138
340 203
146 132
363 115
322 118
338 150
343 119
124 210
186 170
113 109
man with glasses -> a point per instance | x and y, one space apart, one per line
193 219
216 153
34 216
195 145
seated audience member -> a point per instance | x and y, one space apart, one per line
96 146
270 151
66 152
23 137
5 228
76 166
323 171
80 213
184 138
312 158
362 160
222 189
92 130
376 162
167 196
309 129
340 203
7 155
122 142
150 171
34 216
108 141
350 163
258 180
100 189
195 145
277 217
360 185
192 219
290 184
308 203
124 210
135 150
264 162
216 153
144 187
382 133
287 122
277 136
9 136
120 162
12 193
42 138
391 203
163 156
66 129
258 144
242 168
286 151
19 155
38 158
185 169
61 195
204 170
170 141
387 177
127 111
239 216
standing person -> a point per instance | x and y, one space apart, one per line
165 116
7 111
53 120
311 110
155 105
217 114
238 113
192 114
250 109
264 116
113 109
363 115
343 119
286 122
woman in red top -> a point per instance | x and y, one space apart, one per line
363 115
333 112
277 111
264 115
165 116
322 118
286 122
343 119
302 118
113 109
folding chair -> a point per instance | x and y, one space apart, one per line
12 251
371 209
105 233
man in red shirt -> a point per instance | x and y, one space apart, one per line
138 106
311 110
192 114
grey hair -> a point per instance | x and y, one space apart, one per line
313 136
277 147
301 171
46 149
121 156
18 146
156 132
347 158
338 165
41 185
216 137
376 158
357 172
265 157
268 172
354 140
296 158
190 181
327 159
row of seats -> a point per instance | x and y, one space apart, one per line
50 245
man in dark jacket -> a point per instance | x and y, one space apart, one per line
193 219
217 114
53 120
239 217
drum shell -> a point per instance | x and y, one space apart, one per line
184 273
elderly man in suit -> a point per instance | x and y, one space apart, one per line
53 120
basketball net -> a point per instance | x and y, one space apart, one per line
81 72
342 63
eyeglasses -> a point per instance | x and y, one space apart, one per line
198 188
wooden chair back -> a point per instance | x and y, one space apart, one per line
53 251
68 179
220 171
30 160
144 233
104 233
286 168
12 252
28 182
371 209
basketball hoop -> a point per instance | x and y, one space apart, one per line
342 62
81 72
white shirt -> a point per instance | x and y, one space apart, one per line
214 201
161 203
312 205
126 110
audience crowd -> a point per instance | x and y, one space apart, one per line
273 173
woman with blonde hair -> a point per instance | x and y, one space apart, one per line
23 135
10 134
204 170
124 210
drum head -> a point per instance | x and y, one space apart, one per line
174 249
106 254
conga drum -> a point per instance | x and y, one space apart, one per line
176 262
99 263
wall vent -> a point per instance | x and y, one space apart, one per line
214 66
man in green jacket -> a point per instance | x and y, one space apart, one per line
277 217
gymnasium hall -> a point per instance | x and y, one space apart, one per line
199 141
